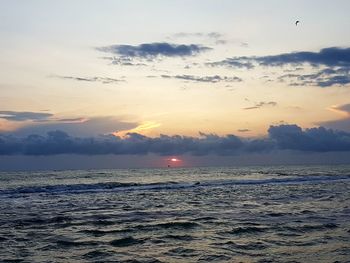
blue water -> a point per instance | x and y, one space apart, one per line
255 214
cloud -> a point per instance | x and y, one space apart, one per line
24 116
153 50
282 137
243 130
292 137
102 80
238 62
217 37
342 123
333 61
25 123
261 104
331 57
124 61
71 120
77 126
212 37
323 78
344 109
148 125
210 79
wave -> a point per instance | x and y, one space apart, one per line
73 244
244 246
117 186
247 230
310 228
97 254
125 242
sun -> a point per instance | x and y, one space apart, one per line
174 162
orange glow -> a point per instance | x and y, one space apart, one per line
336 109
142 129
174 162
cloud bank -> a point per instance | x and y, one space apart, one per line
282 137
83 127
24 116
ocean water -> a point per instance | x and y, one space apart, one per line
255 214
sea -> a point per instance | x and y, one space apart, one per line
211 214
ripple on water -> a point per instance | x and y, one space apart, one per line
71 244
277 214
176 225
247 230
243 246
97 254
100 233
182 251
178 237
214 258
310 228
223 219
126 241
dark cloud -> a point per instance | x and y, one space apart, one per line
243 130
341 124
333 61
210 79
331 57
261 104
58 142
238 62
92 79
24 116
282 137
292 137
323 78
153 50
334 80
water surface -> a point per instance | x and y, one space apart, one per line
256 214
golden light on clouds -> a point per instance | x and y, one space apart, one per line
339 110
142 129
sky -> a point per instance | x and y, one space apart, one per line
96 84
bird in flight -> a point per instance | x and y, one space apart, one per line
297 22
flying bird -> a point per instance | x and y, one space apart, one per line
297 22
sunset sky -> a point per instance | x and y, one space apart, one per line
208 82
